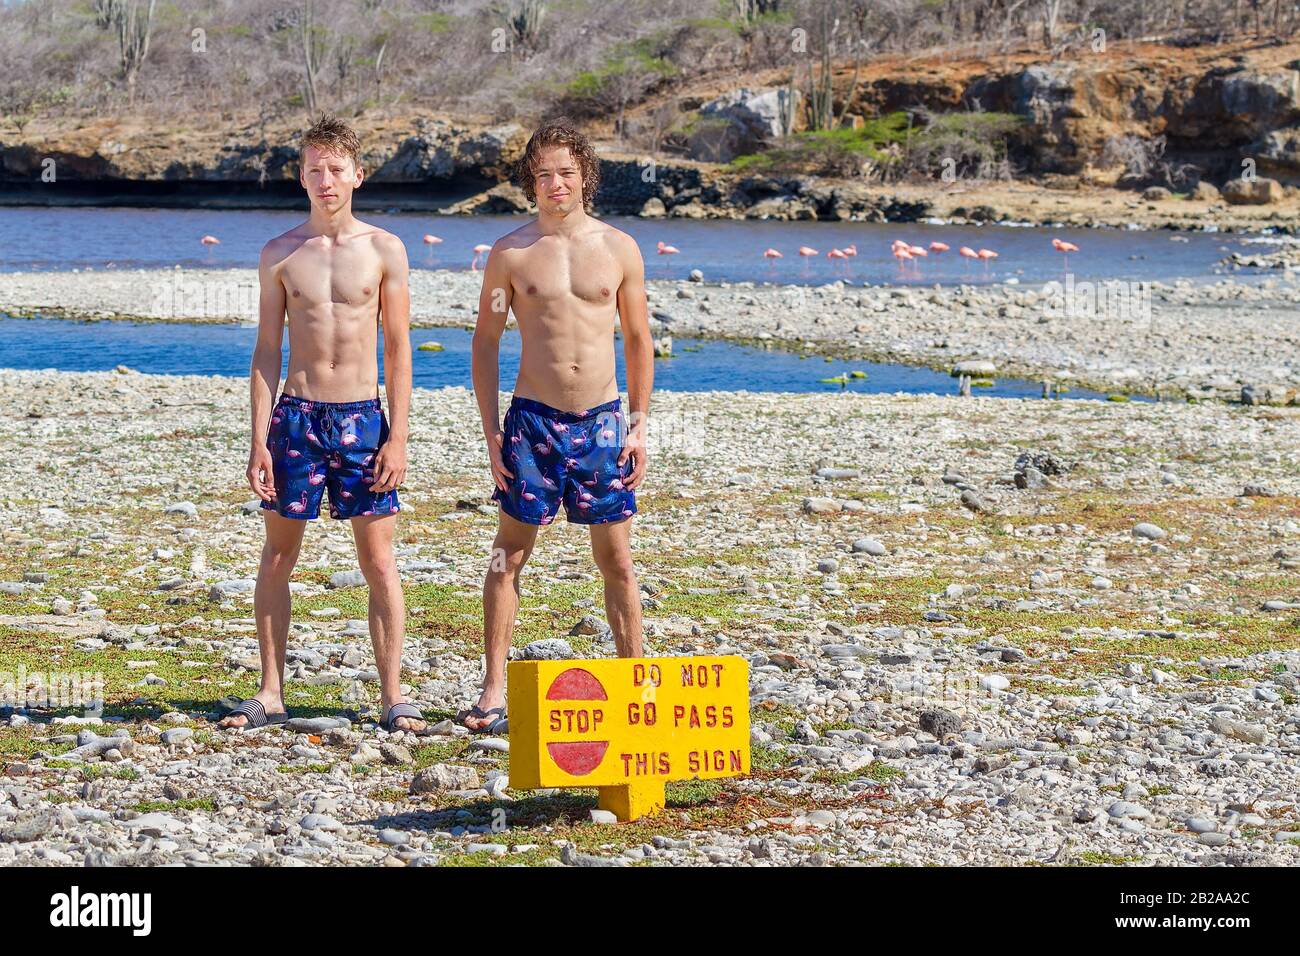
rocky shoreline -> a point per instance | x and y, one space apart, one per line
980 631
1226 340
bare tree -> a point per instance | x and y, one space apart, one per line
133 33
314 45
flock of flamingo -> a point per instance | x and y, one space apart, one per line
901 250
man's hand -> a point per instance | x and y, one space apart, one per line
500 474
634 448
390 466
260 475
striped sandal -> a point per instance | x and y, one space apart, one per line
256 715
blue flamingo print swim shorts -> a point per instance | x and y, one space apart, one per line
327 446
569 457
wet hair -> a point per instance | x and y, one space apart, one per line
331 134
558 133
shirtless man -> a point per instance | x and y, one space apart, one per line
336 278
564 439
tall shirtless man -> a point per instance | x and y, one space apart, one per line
335 278
565 439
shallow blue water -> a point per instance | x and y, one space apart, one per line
41 238
699 365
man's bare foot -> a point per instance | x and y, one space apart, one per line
491 708
272 704
412 724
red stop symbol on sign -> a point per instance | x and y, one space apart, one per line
577 757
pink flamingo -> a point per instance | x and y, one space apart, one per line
666 250
966 252
986 255
837 254
431 240
299 506
1065 248
807 251
312 477
210 241
616 484
350 438
938 247
525 493
478 251
851 250
772 254
903 255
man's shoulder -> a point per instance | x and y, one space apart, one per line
279 248
387 243
615 237
518 238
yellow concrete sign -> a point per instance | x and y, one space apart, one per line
627 726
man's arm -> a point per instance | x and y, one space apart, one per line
395 311
264 376
638 354
493 310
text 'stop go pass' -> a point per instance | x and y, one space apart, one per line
628 725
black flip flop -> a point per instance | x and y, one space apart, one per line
404 709
256 714
479 712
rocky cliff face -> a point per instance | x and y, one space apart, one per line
1214 106
420 151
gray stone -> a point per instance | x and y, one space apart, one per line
225 590
316 725
1239 730
441 777
347 579
547 649
1122 809
869 546
939 722
1152 532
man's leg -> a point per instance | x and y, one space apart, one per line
513 544
271 609
611 546
374 537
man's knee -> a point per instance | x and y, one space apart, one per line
379 568
616 565
279 558
508 560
